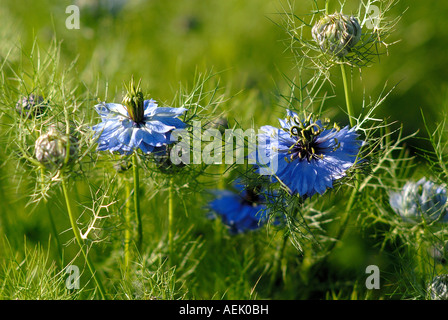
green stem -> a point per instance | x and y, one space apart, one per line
348 98
420 249
170 218
80 240
348 209
127 232
137 202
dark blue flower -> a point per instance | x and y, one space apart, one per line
150 132
242 211
306 156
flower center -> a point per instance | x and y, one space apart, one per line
306 133
252 196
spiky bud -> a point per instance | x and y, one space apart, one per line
51 148
30 106
438 289
337 33
134 102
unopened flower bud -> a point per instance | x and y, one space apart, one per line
337 33
30 106
51 148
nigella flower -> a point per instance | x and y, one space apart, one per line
136 124
242 211
420 199
305 155
51 148
337 33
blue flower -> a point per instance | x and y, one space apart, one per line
420 199
118 131
305 155
241 211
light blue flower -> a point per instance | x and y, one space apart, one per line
420 199
308 155
150 133
243 210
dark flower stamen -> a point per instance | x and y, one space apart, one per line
306 145
252 196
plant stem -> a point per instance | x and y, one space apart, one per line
127 232
170 218
420 252
80 240
137 202
348 98
348 208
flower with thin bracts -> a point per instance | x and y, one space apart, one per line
51 148
337 33
420 200
242 211
309 155
326 40
136 124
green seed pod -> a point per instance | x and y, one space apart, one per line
337 33
51 148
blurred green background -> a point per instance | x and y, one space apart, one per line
166 42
